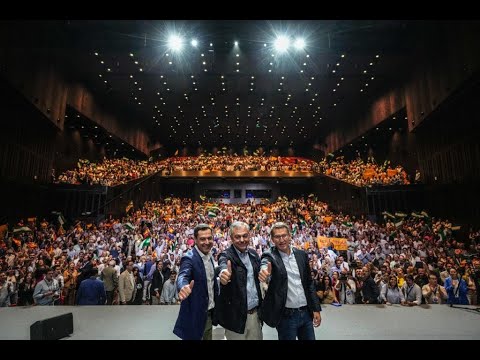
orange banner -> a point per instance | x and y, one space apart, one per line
368 173
338 243
391 172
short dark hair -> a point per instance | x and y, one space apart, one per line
280 225
201 227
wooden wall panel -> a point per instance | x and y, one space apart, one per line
39 80
382 108
443 71
83 101
440 69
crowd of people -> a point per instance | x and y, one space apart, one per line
119 171
361 173
241 163
135 260
110 172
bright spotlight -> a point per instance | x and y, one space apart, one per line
299 44
236 43
194 42
282 43
175 42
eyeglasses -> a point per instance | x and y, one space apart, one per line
283 236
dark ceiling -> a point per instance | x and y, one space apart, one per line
218 94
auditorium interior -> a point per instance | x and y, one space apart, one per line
121 135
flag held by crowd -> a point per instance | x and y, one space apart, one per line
387 214
22 229
129 226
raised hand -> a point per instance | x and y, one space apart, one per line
317 319
226 274
265 272
185 291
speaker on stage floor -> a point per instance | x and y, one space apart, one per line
53 328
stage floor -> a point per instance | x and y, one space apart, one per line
348 322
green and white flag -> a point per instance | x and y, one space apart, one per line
129 226
442 233
174 245
214 208
387 214
21 230
146 242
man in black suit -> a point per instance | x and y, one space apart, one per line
240 294
290 302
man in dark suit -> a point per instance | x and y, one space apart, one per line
290 302
157 283
240 295
197 289
110 280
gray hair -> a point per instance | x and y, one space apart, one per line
280 225
238 224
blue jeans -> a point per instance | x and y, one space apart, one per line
296 322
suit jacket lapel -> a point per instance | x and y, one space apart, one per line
199 263
278 257
236 258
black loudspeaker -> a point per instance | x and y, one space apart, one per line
53 328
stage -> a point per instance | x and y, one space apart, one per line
348 322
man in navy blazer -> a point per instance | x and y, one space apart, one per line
197 289
290 304
91 290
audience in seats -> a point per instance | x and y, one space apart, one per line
418 261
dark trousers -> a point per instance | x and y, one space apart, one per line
110 296
296 323
207 333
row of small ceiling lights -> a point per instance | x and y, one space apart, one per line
377 129
95 127
194 83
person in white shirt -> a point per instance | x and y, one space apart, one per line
169 292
